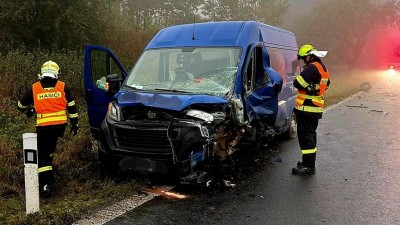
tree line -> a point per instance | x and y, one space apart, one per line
69 24
127 26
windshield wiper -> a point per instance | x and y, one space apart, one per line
171 90
131 87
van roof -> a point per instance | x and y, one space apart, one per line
227 33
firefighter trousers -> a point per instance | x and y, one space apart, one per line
307 123
47 139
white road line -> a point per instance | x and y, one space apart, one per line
352 96
343 101
105 215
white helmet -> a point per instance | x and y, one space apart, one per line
50 69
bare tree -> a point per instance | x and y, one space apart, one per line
343 27
268 11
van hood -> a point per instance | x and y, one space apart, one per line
175 102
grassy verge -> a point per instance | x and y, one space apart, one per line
343 85
66 208
81 184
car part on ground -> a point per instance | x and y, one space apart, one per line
366 86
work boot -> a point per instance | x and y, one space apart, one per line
303 170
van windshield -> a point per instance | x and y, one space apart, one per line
202 70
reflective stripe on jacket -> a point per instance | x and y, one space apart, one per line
50 105
317 100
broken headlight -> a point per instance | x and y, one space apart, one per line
114 111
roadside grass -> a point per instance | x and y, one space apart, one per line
81 184
344 85
68 207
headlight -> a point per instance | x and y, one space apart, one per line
200 115
114 111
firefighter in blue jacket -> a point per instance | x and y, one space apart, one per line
311 84
51 99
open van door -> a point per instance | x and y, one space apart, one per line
100 65
262 86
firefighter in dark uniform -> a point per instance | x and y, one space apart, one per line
311 84
51 99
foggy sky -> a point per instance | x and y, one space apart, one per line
298 7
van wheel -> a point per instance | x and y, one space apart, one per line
291 133
108 164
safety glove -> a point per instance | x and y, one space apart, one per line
74 129
310 89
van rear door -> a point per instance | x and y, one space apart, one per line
99 63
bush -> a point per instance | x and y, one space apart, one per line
18 70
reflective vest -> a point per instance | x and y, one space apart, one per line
50 105
317 100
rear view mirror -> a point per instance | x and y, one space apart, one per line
113 84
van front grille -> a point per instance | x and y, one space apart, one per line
143 139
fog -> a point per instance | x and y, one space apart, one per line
358 35
297 8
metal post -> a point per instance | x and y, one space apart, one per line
31 174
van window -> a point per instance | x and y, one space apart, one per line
261 78
277 61
255 73
102 65
194 70
98 66
294 68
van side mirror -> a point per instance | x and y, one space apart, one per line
114 82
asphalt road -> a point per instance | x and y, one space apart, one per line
357 179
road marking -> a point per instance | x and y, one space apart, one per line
105 215
343 101
352 96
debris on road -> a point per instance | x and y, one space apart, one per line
356 106
163 192
228 184
374 110
279 159
366 86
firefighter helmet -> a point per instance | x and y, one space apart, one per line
49 69
307 49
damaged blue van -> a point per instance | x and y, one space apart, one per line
197 94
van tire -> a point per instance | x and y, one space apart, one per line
107 162
291 133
